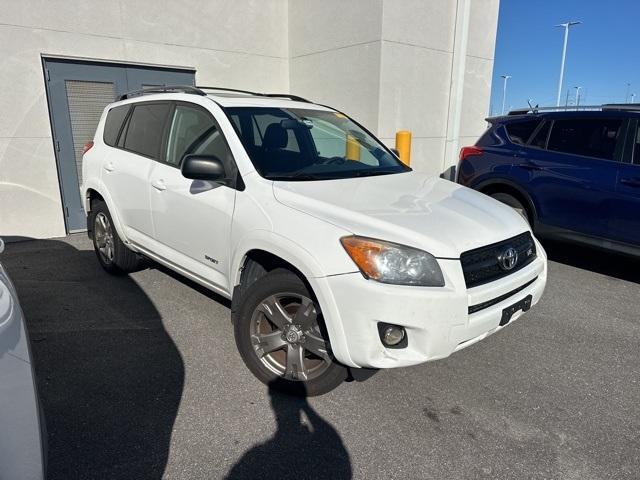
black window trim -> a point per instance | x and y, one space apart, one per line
629 151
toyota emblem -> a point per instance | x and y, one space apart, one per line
508 259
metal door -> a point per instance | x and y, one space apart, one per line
78 91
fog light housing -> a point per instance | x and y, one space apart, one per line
392 336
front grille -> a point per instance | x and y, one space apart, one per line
483 265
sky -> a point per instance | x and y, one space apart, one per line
603 53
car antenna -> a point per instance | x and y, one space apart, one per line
533 109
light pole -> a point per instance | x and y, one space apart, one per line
504 90
577 96
626 97
566 26
632 97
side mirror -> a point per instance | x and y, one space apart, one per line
202 167
396 152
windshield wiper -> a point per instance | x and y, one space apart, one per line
371 173
298 176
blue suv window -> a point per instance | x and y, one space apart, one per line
589 137
520 132
540 140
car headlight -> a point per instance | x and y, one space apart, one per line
388 262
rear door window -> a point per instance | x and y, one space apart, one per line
145 130
520 132
588 137
113 124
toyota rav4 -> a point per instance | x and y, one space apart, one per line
335 254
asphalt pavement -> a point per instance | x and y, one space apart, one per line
140 378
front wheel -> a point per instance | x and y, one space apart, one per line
281 337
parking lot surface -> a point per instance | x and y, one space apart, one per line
140 378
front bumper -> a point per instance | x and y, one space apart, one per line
436 319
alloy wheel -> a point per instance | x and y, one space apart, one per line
287 339
103 233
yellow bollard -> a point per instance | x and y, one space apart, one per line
403 145
353 148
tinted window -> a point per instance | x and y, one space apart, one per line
113 124
589 137
540 140
193 131
144 134
520 132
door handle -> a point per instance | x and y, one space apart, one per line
159 185
632 182
109 167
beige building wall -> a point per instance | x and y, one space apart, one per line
419 65
392 64
240 44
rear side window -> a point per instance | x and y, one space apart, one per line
589 137
144 134
520 132
540 140
113 124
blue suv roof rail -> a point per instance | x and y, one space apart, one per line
629 107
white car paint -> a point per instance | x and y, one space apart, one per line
302 222
21 442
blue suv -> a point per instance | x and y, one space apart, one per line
574 175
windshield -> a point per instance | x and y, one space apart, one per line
304 144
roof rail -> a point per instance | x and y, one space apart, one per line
257 94
287 95
162 89
223 89
631 107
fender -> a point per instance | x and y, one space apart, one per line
99 187
304 261
278 245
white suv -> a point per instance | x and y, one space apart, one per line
334 254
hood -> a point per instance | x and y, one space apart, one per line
414 209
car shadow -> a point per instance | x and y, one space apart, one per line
600 261
109 376
304 445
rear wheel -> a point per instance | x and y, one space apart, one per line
281 337
114 256
514 203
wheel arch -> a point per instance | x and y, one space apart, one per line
95 191
280 252
509 187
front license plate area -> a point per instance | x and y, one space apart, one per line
507 313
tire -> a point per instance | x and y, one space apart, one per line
281 337
514 203
114 256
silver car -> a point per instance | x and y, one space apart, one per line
21 440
